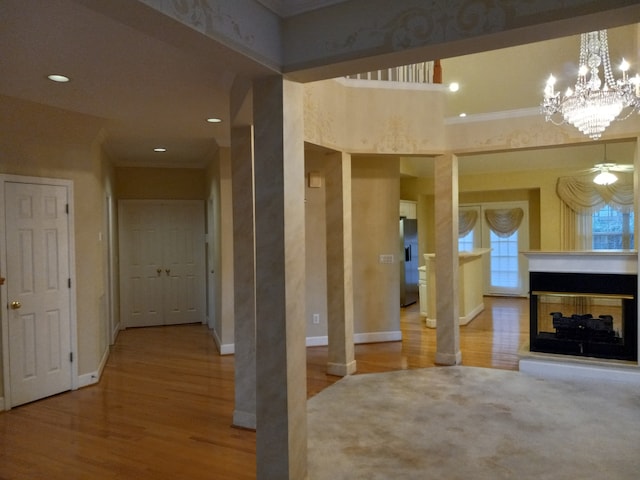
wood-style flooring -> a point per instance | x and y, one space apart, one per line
164 405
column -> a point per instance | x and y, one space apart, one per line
446 260
281 398
244 414
339 265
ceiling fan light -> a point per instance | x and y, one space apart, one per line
605 177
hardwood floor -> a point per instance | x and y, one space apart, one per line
163 407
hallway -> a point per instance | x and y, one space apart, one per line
163 407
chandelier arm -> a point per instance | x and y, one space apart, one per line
593 104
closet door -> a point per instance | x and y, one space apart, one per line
161 262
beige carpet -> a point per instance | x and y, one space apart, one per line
472 423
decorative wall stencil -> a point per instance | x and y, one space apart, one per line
318 122
207 16
395 138
530 137
439 22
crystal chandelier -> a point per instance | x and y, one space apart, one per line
593 104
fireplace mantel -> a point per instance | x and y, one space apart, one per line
583 261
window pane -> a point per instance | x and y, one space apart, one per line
504 261
465 244
612 229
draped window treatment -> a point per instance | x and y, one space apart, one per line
581 198
585 197
504 222
466 221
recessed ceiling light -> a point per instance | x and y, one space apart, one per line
463 115
454 87
214 120
160 149
58 78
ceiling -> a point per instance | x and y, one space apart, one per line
149 82
289 8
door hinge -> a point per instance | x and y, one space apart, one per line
69 282
71 357
66 209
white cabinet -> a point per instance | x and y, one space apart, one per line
422 290
470 286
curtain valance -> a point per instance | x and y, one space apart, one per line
585 197
466 221
504 221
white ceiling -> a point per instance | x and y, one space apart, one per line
148 81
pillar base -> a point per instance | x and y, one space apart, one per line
341 369
448 358
244 420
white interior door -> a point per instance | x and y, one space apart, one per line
162 262
507 272
38 290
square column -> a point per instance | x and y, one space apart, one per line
446 260
244 414
281 392
339 265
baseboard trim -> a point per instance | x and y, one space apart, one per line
94 377
317 341
223 348
367 337
377 337
1 404
464 320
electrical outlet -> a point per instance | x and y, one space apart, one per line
316 318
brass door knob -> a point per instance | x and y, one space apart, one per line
15 305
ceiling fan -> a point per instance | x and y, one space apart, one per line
605 169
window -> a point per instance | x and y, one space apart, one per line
504 261
466 243
612 229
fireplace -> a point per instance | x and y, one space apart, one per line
584 314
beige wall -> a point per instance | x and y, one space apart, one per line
220 287
375 210
53 143
316 246
365 117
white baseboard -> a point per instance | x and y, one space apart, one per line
318 341
368 337
431 322
94 377
472 314
377 337
223 348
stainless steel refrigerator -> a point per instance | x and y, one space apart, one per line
408 261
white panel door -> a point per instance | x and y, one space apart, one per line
162 262
38 290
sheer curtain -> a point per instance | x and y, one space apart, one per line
581 198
